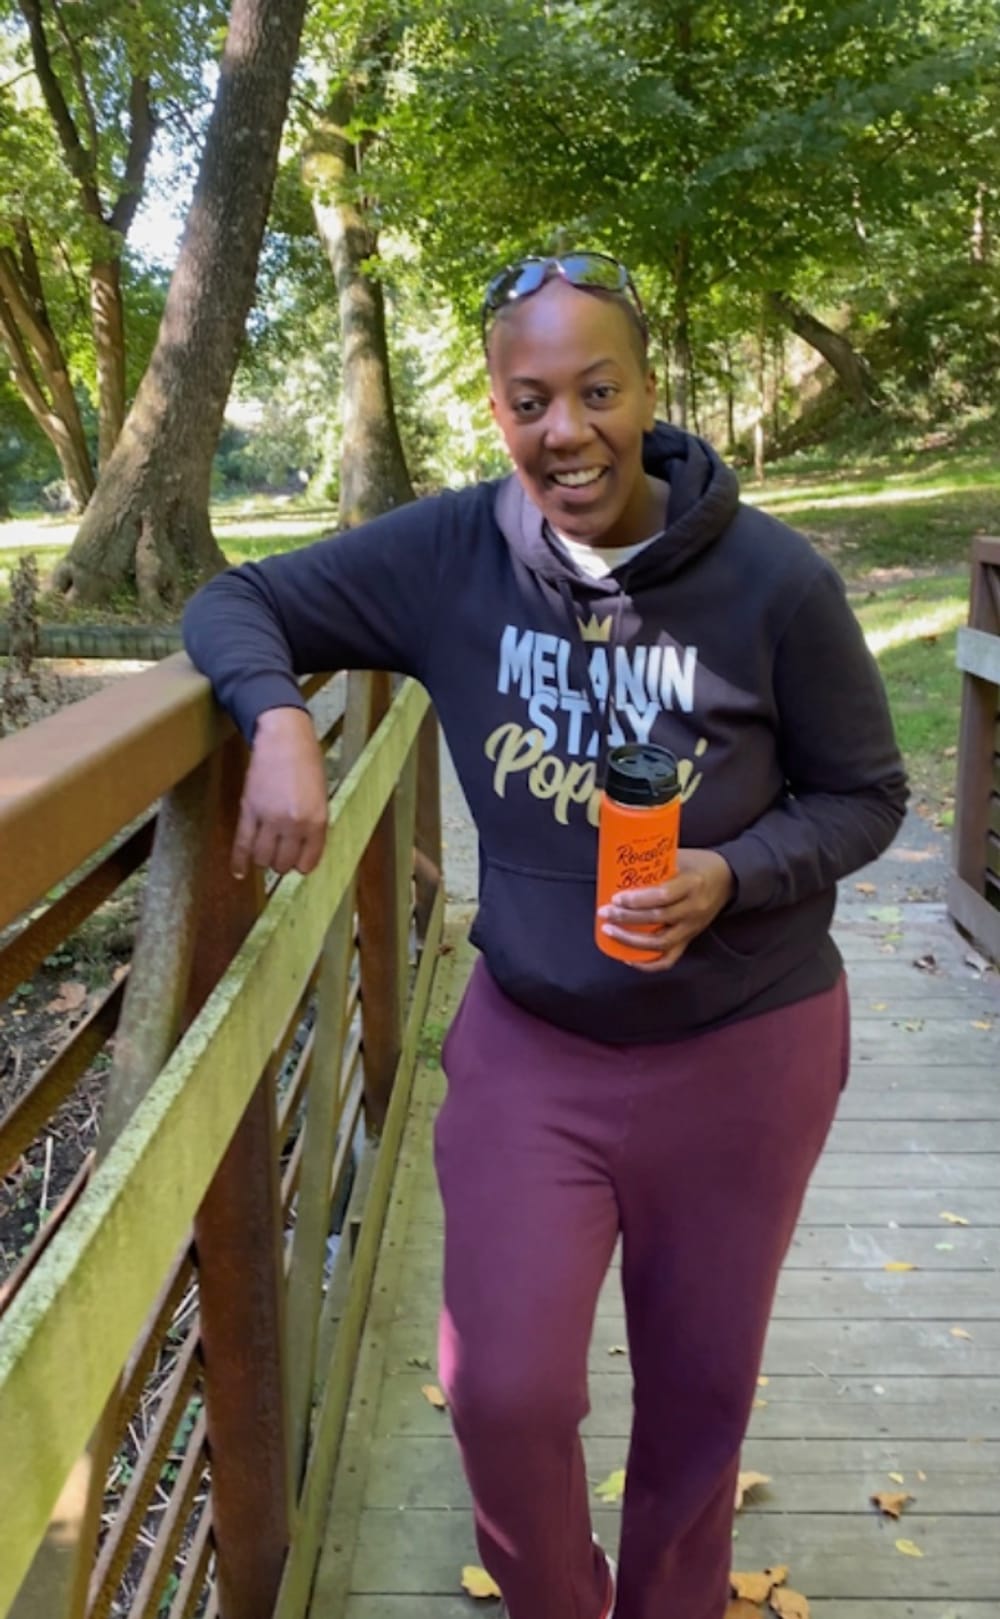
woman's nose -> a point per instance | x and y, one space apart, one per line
566 423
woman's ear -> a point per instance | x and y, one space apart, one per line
650 400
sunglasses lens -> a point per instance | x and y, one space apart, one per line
515 282
594 270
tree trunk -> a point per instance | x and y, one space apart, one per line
681 329
108 321
373 472
147 528
758 428
849 365
38 368
730 387
666 346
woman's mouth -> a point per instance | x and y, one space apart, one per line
580 479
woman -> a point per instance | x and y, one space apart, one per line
613 589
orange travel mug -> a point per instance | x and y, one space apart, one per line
638 832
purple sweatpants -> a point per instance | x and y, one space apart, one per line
697 1154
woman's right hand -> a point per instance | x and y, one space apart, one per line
283 812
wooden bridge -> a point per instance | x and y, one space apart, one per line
215 1354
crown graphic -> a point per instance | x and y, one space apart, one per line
595 629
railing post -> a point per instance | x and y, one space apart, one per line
238 1241
378 934
427 832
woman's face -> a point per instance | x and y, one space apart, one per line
572 400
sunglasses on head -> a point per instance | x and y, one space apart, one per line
591 272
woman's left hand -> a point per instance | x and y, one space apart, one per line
680 909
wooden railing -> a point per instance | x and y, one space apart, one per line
177 1342
974 890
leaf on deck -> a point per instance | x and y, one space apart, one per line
432 1394
478 1583
747 1482
891 1503
757 1586
788 1604
612 1488
909 1548
900 1264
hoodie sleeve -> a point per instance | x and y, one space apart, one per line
846 786
364 599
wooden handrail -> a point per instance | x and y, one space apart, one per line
176 1129
974 886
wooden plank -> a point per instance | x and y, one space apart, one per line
939 1040
978 653
56 1369
811 1407
816 1475
836 1348
899 1101
861 1169
953 1137
835 1555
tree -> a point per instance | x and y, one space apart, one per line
147 527
84 91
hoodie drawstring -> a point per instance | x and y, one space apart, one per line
580 668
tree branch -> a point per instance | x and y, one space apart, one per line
24 372
142 128
77 157
80 80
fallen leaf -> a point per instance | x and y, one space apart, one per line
880 1006
891 1504
432 1394
747 1482
762 1382
981 1023
757 1587
897 1478
420 1361
960 1332
70 998
886 913
913 1025
952 1219
759 1405
949 753
922 1477
618 1349
788 1604
891 939
909 1548
613 1487
944 1247
738 1609
865 888
926 964
900 1264
478 1583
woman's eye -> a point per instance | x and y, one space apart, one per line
603 392
526 407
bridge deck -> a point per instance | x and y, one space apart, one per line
870 1372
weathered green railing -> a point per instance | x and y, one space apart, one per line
974 890
185 1272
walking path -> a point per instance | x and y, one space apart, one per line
878 1378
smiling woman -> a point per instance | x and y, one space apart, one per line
612 590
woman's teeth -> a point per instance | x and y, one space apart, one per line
578 480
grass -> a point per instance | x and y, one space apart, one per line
898 524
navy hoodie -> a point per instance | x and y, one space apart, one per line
728 641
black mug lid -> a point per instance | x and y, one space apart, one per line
642 775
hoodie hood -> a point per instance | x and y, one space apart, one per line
704 497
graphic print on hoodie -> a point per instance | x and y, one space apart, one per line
728 641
